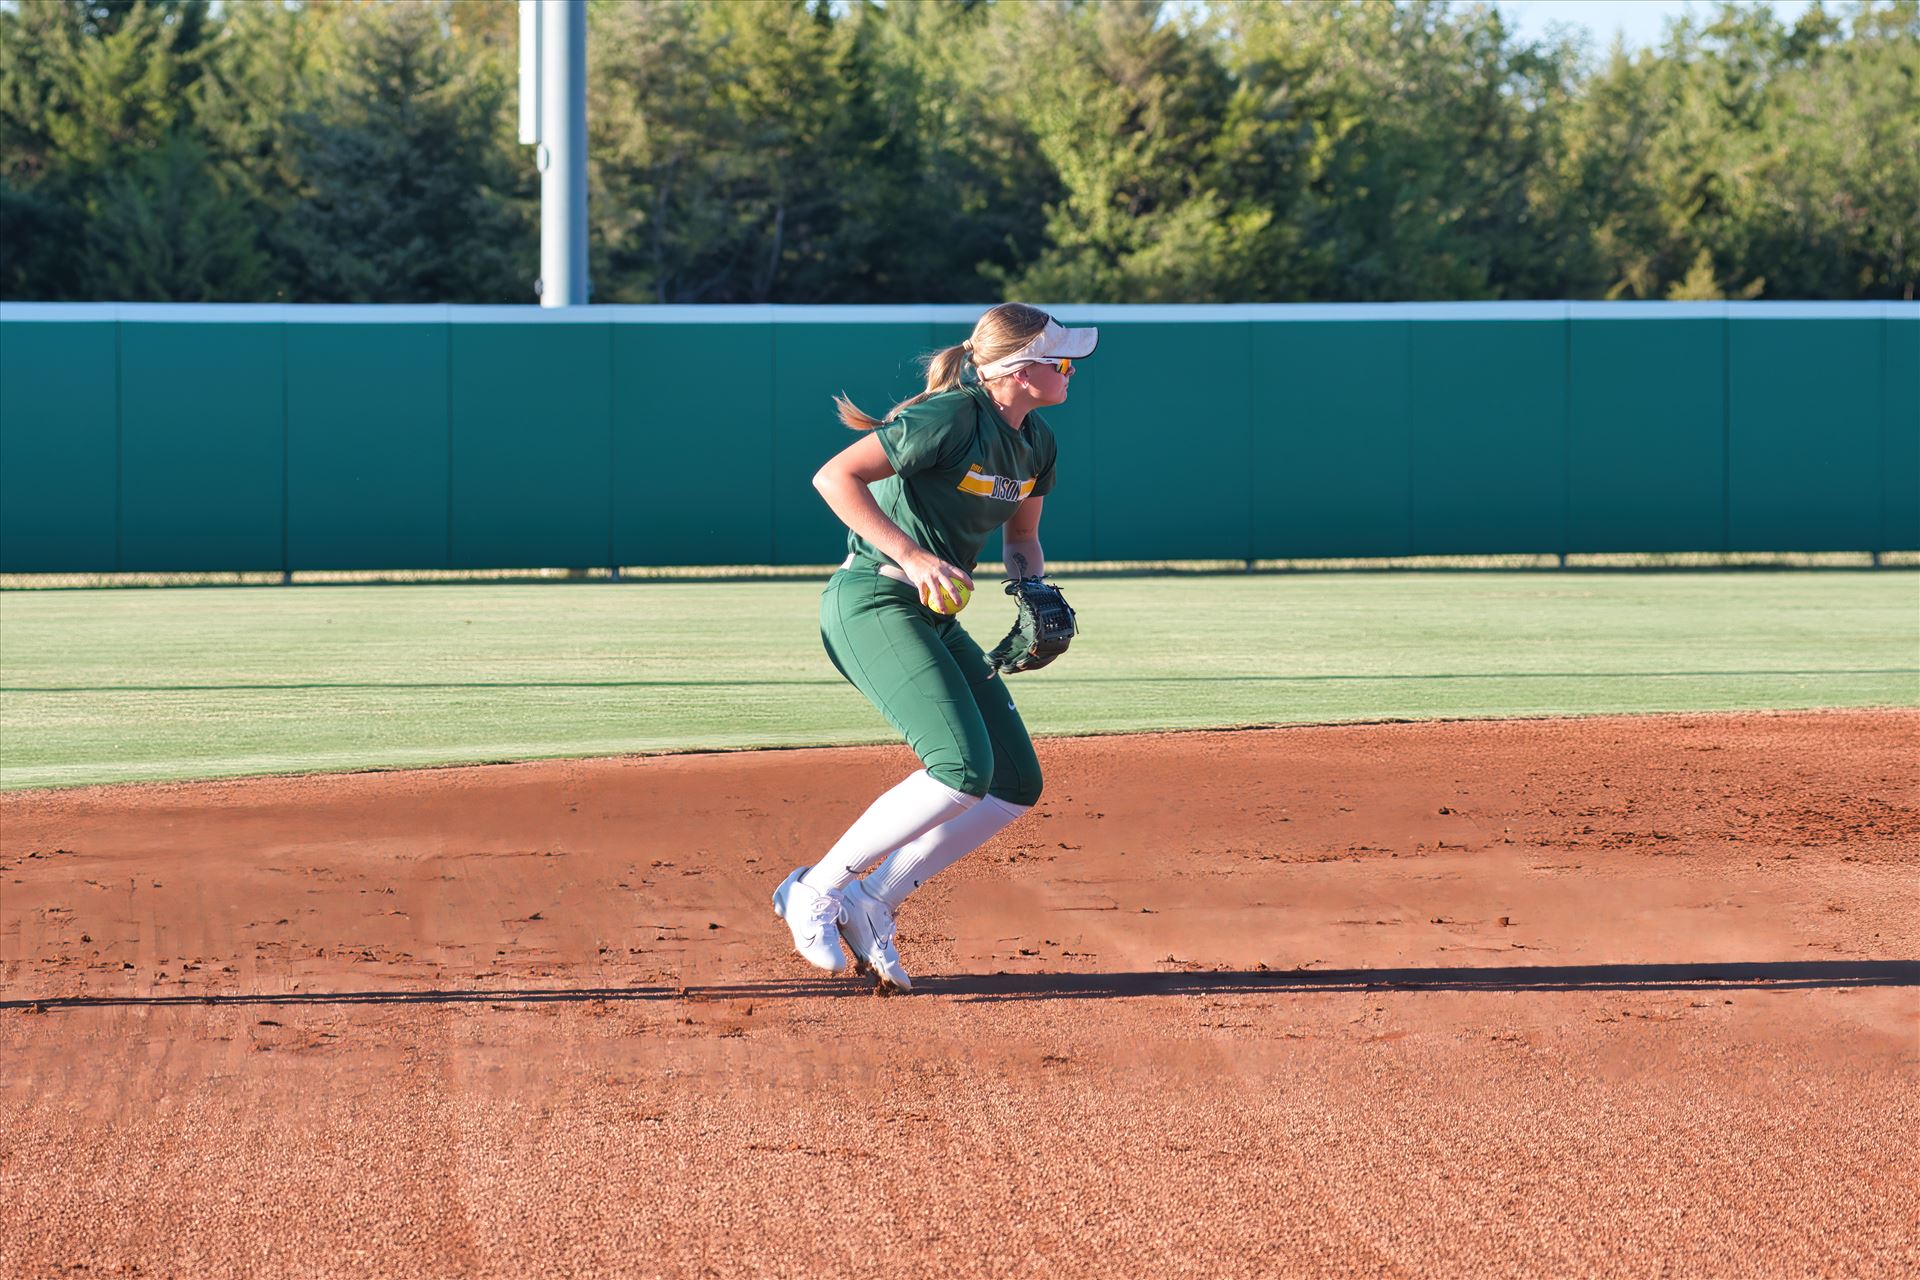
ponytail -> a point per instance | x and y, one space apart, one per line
999 333
943 374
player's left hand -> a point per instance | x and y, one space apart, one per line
1043 629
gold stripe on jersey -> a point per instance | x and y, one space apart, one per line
1004 488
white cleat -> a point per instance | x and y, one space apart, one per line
867 925
812 916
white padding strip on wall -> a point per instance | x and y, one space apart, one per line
945 314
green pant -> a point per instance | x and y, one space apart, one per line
931 682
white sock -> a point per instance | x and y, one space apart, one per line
916 806
914 864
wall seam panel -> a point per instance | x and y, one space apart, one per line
1566 437
1412 543
1886 429
1093 484
1246 492
1726 433
286 460
613 562
449 404
773 449
119 449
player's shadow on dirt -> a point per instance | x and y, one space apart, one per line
1772 976
1786 975
1130 678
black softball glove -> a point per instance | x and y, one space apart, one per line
1042 631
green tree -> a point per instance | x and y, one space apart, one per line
736 153
1837 213
88 91
1408 146
164 228
1125 106
925 150
1748 158
405 190
123 76
963 187
262 87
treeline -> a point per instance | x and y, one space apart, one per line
961 150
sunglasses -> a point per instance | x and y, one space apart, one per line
1064 364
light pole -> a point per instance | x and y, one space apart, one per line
553 118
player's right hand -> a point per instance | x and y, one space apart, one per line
935 578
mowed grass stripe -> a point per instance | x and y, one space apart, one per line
125 685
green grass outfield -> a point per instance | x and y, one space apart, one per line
124 685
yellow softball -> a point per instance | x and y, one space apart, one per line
942 602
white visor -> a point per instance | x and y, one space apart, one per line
1054 342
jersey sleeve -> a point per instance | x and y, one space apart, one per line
930 436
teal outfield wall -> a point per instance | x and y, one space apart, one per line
258 438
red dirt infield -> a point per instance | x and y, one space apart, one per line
1507 998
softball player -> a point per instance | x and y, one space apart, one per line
920 492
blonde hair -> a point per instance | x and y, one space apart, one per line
999 333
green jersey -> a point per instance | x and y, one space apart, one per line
959 472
